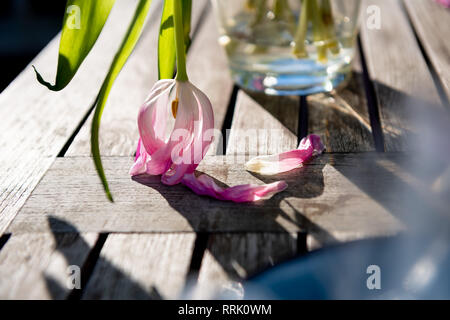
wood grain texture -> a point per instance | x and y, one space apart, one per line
119 137
335 197
141 266
432 22
34 266
263 125
231 258
341 117
36 123
405 91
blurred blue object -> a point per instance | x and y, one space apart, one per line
413 265
409 268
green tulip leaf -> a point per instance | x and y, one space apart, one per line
82 24
129 42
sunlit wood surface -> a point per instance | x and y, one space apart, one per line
158 242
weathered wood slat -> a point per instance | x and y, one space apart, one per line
141 266
35 265
335 197
120 137
263 125
432 23
268 125
36 123
232 257
341 118
403 84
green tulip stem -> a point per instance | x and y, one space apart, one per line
179 41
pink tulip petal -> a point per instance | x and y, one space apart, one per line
193 149
179 147
152 117
205 185
186 146
286 161
445 3
140 161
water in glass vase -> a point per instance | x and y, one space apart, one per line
262 55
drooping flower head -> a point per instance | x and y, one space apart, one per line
181 151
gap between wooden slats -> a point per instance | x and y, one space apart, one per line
342 118
231 257
35 265
149 43
204 54
141 266
431 23
407 98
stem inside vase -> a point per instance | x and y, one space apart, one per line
289 46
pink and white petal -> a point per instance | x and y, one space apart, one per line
207 118
197 149
139 149
313 142
286 161
140 161
187 153
251 192
152 120
445 3
152 116
205 185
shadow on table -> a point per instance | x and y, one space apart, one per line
115 284
211 215
304 183
396 182
239 221
417 178
261 216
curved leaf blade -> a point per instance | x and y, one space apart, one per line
82 24
126 48
166 40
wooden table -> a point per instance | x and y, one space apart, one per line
166 242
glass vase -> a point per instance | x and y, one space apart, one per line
289 47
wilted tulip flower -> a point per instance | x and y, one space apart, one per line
181 151
175 155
